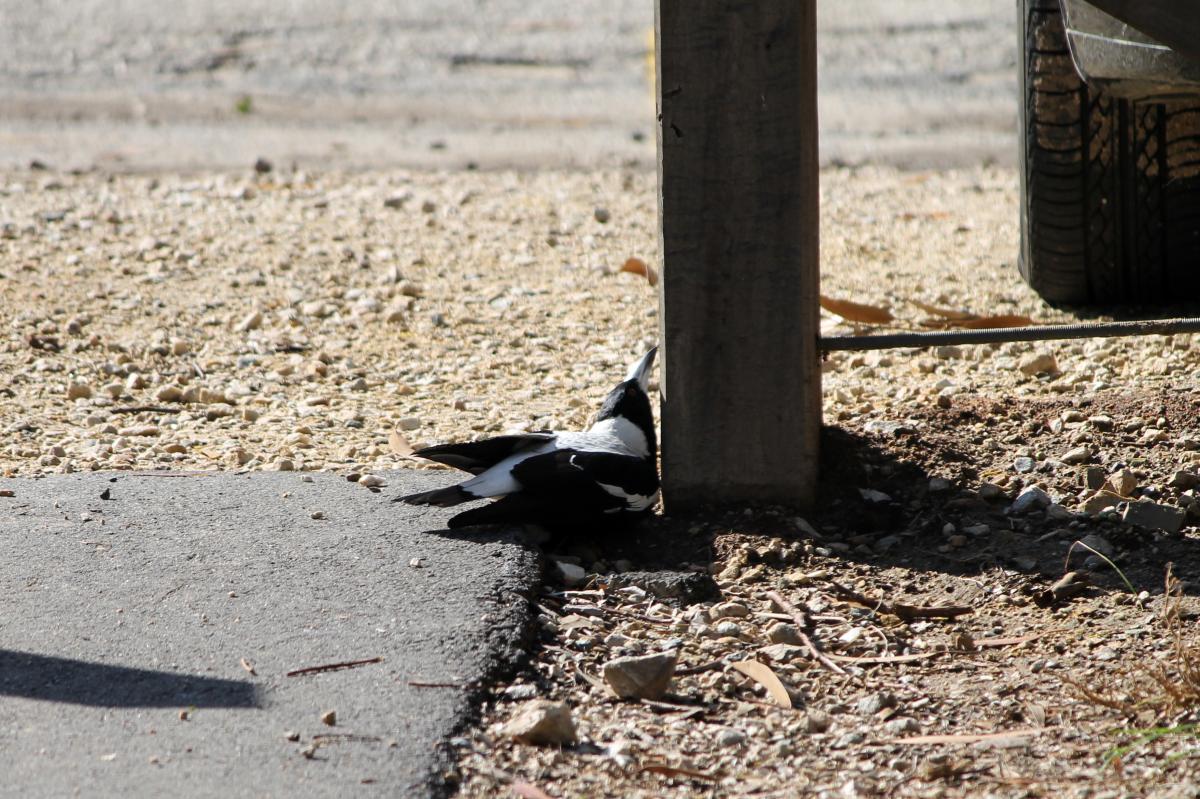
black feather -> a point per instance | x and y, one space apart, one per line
439 497
479 456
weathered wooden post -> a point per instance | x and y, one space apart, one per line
737 176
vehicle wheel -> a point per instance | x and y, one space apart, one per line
1110 188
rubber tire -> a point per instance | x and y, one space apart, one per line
1110 188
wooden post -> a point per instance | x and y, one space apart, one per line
737 176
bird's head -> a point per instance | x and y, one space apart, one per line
630 400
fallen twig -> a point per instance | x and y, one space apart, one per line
899 609
709 666
349 664
145 409
803 623
967 738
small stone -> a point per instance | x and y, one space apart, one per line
372 481
262 166
141 430
1024 465
817 722
728 629
733 609
601 215
1094 477
640 677
1153 516
135 382
902 726
990 492
784 633
1123 483
284 465
1032 498
687 587
317 514
872 495
541 721
291 735
398 200
329 718
1077 456
1183 480
938 485
1099 501
570 574
728 737
1038 363
1102 423
169 393
870 705
886 428
785 653
409 423
521 691
252 321
1101 545
1058 513
79 391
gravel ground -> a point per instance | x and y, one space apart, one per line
274 321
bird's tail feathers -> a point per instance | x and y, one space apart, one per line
439 497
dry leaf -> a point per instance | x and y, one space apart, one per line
676 771
986 322
762 674
639 267
947 313
857 312
399 444
528 791
248 666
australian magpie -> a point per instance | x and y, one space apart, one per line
605 476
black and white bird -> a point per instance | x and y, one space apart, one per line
605 476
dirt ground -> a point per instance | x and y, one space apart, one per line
977 606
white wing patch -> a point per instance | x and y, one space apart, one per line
634 502
617 435
498 480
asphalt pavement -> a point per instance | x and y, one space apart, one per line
148 623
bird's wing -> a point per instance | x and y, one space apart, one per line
620 482
478 456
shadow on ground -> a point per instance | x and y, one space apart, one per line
79 682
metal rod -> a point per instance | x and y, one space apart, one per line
1141 327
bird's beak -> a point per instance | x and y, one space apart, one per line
640 371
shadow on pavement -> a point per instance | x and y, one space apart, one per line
55 679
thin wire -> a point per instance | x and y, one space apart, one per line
1141 327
